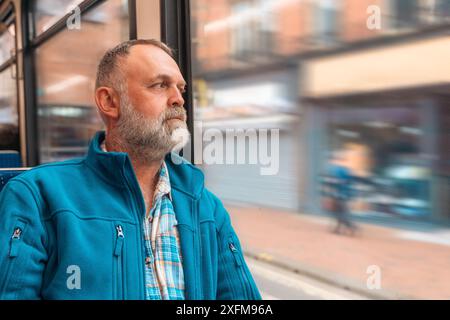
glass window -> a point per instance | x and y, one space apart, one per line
8 43
47 12
66 71
361 134
9 116
243 30
406 13
443 10
252 29
9 111
326 21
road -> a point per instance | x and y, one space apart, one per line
276 283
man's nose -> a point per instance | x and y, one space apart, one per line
176 98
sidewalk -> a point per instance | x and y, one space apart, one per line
412 265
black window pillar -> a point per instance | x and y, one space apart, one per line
29 86
175 32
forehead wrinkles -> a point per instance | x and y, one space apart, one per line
151 61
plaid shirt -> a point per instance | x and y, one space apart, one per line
164 271
164 277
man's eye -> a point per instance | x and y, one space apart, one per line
159 85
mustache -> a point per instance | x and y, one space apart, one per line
176 112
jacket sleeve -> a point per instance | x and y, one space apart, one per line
22 238
235 281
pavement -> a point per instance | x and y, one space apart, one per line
379 262
277 283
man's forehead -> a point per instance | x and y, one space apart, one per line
150 54
152 61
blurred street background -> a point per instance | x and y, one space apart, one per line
358 89
367 80
412 260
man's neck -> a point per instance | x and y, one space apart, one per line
147 172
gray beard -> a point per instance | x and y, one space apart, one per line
146 140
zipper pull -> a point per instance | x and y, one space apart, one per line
119 231
119 241
17 233
15 240
235 252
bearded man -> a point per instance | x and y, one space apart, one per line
126 221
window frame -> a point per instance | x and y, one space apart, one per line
9 8
176 33
30 45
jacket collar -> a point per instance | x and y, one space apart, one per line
111 166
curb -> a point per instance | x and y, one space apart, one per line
326 277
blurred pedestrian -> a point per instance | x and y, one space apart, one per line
337 194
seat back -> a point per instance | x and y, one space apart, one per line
10 159
8 173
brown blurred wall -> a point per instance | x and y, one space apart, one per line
293 24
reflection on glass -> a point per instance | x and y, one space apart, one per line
7 41
66 70
9 119
47 12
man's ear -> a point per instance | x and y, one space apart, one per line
107 101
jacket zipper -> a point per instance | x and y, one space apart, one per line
242 274
199 260
119 263
235 252
15 241
136 207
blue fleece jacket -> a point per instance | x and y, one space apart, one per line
58 229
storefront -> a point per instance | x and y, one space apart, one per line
235 109
387 119
389 147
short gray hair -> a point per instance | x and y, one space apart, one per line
108 72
